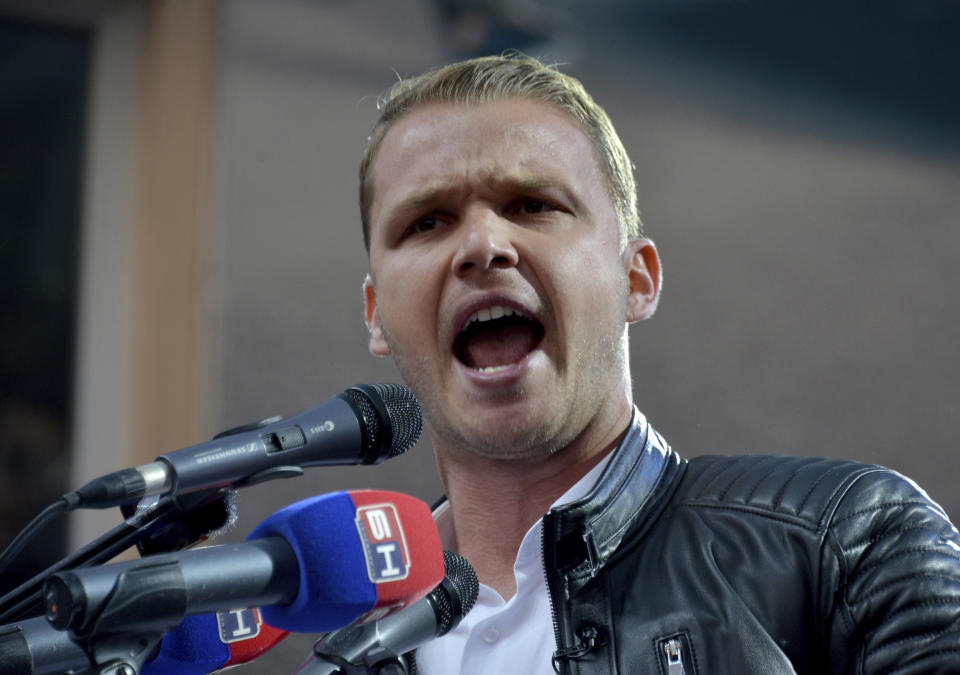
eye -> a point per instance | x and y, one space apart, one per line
533 206
423 225
535 210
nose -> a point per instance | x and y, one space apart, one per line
486 244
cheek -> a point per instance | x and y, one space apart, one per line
596 284
406 298
587 266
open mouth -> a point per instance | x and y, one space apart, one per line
496 338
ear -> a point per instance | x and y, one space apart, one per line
378 345
644 276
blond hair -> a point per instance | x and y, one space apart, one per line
495 78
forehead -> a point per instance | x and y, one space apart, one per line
448 144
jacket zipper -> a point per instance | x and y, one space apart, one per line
558 665
673 651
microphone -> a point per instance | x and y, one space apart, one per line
313 566
434 616
209 642
363 425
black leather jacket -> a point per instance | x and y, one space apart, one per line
751 565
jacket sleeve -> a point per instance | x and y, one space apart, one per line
892 569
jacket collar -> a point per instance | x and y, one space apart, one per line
627 497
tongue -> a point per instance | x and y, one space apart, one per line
498 346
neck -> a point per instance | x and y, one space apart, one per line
494 502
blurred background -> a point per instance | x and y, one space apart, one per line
182 254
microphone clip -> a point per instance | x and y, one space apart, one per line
376 661
145 603
383 661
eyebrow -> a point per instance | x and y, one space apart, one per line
536 184
518 183
420 198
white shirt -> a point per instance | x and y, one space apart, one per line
512 636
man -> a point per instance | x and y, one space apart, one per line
506 262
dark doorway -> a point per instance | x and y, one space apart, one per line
43 80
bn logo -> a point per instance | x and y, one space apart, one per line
384 545
238 624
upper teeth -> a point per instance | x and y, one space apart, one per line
495 312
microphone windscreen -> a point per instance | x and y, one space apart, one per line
192 648
248 636
404 554
363 554
208 642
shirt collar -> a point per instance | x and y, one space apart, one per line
444 520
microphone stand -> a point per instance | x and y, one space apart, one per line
153 524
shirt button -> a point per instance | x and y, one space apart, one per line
491 635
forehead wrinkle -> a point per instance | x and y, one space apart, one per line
428 196
533 182
520 182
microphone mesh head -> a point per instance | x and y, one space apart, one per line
390 418
456 594
406 419
370 421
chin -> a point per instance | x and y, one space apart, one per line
501 440
512 452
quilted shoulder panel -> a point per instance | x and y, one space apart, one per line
805 488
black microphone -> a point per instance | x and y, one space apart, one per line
364 425
432 617
259 572
313 565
